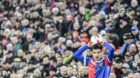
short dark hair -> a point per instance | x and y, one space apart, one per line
96 46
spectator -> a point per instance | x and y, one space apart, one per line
125 69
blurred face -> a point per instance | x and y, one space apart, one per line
20 53
27 15
93 31
46 60
127 57
134 3
51 54
41 54
132 49
75 72
134 32
97 54
9 55
82 10
55 13
76 26
29 38
135 22
69 71
69 18
128 41
50 36
63 71
101 16
79 64
125 70
123 23
46 12
72 5
23 9
136 58
118 65
10 47
130 75
81 71
57 55
59 61
109 24
75 35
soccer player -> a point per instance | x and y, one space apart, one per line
100 65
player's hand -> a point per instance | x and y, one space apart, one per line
90 44
101 39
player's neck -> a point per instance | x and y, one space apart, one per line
98 60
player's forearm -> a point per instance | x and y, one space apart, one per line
80 51
110 51
108 46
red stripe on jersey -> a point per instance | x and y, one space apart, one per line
91 69
107 61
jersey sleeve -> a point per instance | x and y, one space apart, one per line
110 54
78 54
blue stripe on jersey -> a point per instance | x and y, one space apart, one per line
102 69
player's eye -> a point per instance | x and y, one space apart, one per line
94 52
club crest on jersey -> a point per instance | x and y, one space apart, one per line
101 64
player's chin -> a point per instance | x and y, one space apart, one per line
97 58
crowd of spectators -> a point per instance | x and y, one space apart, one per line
38 37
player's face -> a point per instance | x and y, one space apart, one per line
97 54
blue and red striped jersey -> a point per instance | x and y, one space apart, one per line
98 69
